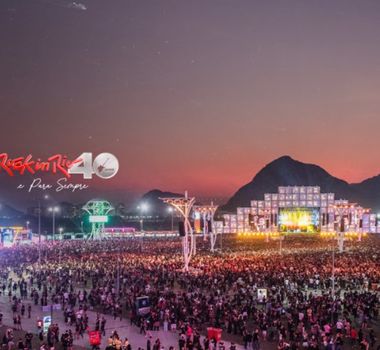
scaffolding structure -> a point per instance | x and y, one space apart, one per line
266 215
345 214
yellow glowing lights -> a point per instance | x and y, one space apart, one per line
351 235
348 234
258 235
298 218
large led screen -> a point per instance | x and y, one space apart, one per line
299 220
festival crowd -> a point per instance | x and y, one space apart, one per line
256 296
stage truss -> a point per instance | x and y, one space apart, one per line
343 211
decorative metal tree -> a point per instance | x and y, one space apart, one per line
207 212
184 206
98 210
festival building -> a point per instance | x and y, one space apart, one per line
301 209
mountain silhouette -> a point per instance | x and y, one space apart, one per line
155 206
285 171
6 211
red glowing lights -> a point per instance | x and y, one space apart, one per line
54 164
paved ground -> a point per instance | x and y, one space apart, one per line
123 327
35 342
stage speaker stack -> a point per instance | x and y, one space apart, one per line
181 228
209 226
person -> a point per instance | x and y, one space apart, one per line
364 345
117 343
256 340
110 342
20 345
143 326
353 336
166 325
157 344
128 345
339 341
18 322
103 326
125 344
372 338
222 293
206 343
28 340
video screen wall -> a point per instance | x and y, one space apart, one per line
299 220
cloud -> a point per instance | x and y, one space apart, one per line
66 4
77 6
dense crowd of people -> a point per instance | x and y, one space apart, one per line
254 294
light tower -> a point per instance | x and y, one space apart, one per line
184 206
207 212
98 210
53 210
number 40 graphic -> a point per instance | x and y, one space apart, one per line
105 165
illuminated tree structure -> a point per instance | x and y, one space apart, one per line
184 206
98 210
207 213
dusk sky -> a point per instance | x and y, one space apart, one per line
197 94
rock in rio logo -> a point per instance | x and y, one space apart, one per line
105 165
